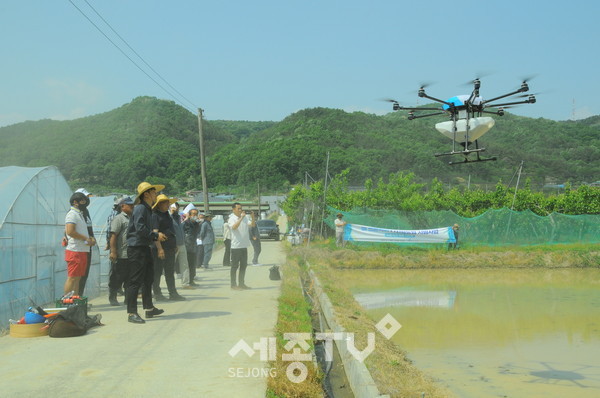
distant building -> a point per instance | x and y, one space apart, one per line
273 202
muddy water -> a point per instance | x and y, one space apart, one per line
494 333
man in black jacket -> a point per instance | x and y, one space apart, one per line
140 235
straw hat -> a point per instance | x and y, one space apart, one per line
145 186
161 198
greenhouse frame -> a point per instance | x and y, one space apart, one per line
33 205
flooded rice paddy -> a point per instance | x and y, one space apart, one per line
493 333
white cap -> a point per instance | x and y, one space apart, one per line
188 208
83 191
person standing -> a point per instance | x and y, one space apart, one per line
227 243
199 245
207 235
191 229
240 240
90 228
163 253
119 263
455 229
339 230
255 241
140 235
78 242
181 263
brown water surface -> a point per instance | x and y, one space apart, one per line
493 333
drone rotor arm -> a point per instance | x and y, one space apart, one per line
427 115
527 101
402 108
436 99
487 102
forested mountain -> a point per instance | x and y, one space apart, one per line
147 139
157 140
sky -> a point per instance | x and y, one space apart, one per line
266 59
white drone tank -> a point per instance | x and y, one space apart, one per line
478 126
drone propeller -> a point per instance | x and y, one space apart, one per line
395 104
424 85
478 77
526 79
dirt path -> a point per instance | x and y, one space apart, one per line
183 353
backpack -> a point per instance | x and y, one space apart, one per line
274 273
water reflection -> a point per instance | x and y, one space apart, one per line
406 298
486 332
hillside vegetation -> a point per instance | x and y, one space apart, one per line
157 140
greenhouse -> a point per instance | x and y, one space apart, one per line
33 205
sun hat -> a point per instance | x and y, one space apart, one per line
145 186
161 198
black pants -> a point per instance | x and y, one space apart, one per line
119 273
166 266
191 265
257 249
84 278
199 255
141 275
227 255
239 259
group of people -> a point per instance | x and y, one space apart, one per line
148 238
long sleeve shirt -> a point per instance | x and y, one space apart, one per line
140 230
164 223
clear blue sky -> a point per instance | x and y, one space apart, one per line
263 60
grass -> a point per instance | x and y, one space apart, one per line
294 317
401 257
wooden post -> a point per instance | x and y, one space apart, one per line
203 163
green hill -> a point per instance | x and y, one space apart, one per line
157 140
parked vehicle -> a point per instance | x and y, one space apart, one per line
268 229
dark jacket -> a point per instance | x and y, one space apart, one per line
140 231
164 223
191 229
178 229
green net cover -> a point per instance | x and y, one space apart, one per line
492 228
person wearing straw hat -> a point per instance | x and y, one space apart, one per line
140 235
163 253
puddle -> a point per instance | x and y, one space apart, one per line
494 333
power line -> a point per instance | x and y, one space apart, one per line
129 58
139 56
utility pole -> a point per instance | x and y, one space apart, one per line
325 192
203 162
258 189
512 206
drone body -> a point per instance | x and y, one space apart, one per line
467 123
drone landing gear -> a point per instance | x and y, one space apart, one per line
466 154
467 160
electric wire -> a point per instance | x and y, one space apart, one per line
139 56
128 57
